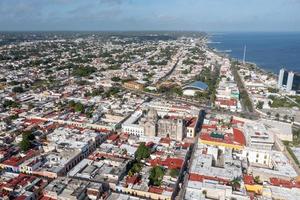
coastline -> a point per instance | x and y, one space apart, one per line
220 53
270 51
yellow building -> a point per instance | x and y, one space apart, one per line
134 85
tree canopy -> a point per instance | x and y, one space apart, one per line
142 152
83 71
26 142
156 175
18 89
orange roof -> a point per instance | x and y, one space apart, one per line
236 138
113 137
132 179
156 190
284 183
248 179
21 197
165 140
234 121
47 198
200 178
171 163
227 102
239 136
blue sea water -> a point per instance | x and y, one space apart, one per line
270 51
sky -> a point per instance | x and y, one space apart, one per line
124 15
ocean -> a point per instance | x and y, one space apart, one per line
269 51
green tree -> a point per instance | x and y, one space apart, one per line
186 71
10 104
79 107
235 183
273 90
176 90
72 104
18 89
142 152
83 71
136 168
156 175
174 173
116 79
27 138
112 91
257 179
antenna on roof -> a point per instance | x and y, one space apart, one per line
244 58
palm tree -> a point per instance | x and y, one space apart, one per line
235 183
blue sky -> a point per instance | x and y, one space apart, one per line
202 15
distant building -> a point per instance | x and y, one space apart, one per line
150 124
134 85
290 81
282 78
293 82
258 136
171 127
193 88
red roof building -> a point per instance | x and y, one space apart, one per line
170 163
284 183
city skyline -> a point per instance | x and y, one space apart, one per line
128 15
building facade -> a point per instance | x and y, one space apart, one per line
282 78
173 128
293 82
290 81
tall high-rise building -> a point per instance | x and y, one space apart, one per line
282 78
293 82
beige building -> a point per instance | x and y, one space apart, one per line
134 85
150 123
173 128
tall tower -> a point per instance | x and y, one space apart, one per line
244 57
280 78
150 126
290 81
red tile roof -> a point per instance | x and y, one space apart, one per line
239 136
21 197
21 180
34 121
227 102
249 180
170 163
284 183
234 121
132 179
17 160
200 178
165 140
47 198
156 190
113 137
